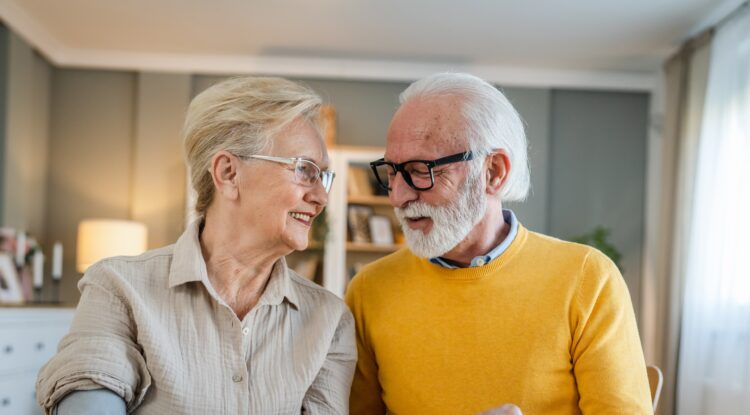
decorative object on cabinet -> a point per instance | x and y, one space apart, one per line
10 287
21 268
102 238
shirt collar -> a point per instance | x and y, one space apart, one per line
510 218
280 286
188 265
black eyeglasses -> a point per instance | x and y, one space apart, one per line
417 173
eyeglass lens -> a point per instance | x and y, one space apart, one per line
308 173
416 172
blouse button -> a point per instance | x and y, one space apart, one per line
237 378
245 331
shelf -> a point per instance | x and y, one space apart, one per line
366 247
369 200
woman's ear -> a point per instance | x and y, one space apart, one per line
224 174
498 167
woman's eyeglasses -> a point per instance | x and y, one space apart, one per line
416 173
306 172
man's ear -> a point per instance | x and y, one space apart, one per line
497 169
224 174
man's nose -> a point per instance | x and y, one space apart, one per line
401 193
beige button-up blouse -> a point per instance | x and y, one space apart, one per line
153 330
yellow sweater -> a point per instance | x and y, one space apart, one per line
548 326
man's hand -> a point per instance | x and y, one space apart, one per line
507 409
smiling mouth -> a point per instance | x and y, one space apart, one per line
301 217
418 222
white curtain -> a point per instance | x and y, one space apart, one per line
714 362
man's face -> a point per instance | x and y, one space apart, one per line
436 220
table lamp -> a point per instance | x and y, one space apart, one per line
102 238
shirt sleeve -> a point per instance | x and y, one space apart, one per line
93 402
366 396
100 350
329 392
607 356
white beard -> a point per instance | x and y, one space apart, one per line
450 223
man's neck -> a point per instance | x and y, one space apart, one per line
486 235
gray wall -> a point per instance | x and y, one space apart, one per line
4 63
534 107
598 170
25 137
159 174
90 155
115 152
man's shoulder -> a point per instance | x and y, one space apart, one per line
566 254
558 248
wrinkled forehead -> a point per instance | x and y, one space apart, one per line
427 128
301 139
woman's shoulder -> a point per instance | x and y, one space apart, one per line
146 271
310 294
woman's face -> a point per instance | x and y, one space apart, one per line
271 200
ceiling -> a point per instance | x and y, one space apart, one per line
524 42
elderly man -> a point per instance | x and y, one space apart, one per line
480 311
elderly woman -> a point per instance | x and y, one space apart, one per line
217 323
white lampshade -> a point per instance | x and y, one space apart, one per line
102 238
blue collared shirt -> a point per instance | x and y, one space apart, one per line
478 261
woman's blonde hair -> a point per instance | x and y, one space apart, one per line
240 115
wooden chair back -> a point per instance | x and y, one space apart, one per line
655 381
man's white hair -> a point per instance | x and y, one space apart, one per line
491 123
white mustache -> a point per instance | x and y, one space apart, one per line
415 210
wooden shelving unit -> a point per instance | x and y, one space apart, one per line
342 256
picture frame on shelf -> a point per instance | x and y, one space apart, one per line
10 285
381 232
359 223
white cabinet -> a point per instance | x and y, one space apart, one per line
28 339
17 394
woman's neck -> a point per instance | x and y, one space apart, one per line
239 264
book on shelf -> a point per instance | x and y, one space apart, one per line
359 223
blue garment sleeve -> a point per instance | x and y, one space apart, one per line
91 402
